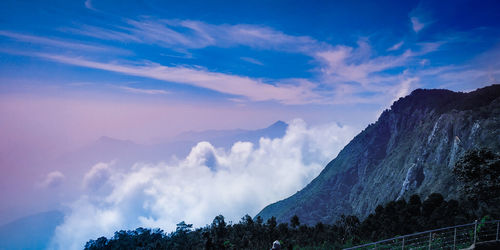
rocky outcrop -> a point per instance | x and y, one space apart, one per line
411 149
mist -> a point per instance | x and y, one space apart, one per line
208 182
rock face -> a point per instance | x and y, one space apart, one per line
411 149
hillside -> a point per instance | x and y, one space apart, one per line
38 227
410 149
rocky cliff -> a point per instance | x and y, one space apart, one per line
410 149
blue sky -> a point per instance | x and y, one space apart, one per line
285 53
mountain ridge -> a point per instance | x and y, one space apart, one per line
39 227
410 149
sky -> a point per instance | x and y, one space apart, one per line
115 67
145 71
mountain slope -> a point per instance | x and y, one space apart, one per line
30 232
410 149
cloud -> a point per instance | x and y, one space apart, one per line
396 46
60 43
344 74
191 34
416 24
97 176
405 87
103 33
143 91
480 71
353 71
88 5
420 17
348 64
253 89
208 182
251 60
52 180
358 75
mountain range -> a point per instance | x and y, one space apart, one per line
127 152
410 149
41 226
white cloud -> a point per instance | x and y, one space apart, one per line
144 91
52 180
396 46
416 24
208 182
358 77
404 88
420 17
347 64
253 89
60 43
251 60
371 74
192 34
97 176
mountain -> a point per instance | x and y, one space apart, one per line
30 232
411 149
126 152
225 138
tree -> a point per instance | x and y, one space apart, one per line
183 227
294 222
479 174
349 228
432 202
219 231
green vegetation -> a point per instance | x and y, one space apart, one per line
394 218
479 173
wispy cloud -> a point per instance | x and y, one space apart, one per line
97 176
416 24
52 179
190 34
420 17
348 64
88 5
253 89
357 76
338 66
480 71
116 34
396 46
251 60
143 91
72 45
344 73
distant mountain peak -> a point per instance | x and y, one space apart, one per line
279 124
110 140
